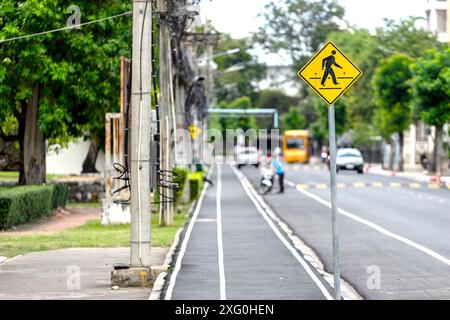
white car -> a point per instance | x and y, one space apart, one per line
247 155
349 159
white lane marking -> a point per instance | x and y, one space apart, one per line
379 228
247 186
290 184
177 268
223 294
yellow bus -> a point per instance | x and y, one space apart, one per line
295 146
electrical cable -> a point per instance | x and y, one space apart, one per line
128 13
164 177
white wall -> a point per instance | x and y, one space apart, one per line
69 160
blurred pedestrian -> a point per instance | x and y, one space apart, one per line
279 170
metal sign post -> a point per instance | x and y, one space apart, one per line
330 74
334 221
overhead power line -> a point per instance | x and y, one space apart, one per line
128 13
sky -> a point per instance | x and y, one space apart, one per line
239 17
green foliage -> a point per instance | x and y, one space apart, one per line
318 123
78 70
243 122
293 120
20 205
90 235
391 83
234 84
367 50
406 37
362 133
60 195
24 204
297 27
431 87
195 184
362 48
180 178
274 98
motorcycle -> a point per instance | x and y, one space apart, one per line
266 184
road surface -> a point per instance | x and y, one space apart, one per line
395 233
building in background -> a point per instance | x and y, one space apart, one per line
419 139
437 18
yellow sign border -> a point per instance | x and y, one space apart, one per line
312 59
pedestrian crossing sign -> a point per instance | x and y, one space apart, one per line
330 73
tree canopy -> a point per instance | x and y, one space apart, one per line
75 72
231 84
391 83
297 27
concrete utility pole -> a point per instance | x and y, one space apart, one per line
208 65
166 207
141 134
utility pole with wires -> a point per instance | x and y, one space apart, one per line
141 134
166 206
138 272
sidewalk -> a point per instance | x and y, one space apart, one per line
59 220
54 275
419 176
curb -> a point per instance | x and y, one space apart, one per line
441 180
158 285
5 260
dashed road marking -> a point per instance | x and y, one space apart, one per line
360 185
377 184
180 257
222 282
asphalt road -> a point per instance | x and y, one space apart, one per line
395 234
233 250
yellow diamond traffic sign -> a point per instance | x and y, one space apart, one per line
330 73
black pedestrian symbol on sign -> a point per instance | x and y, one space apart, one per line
328 64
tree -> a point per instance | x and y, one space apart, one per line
431 95
293 120
58 85
298 27
230 84
391 83
406 37
274 98
367 50
234 122
362 48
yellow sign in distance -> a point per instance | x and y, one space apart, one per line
330 73
194 131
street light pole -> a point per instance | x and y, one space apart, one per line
334 221
140 134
